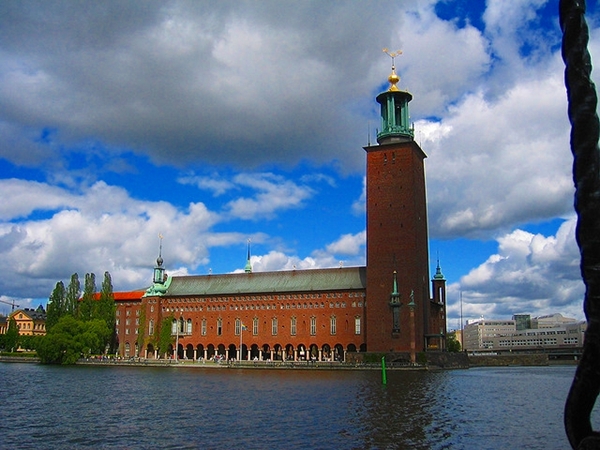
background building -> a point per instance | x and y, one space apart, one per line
552 332
30 322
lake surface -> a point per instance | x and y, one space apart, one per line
51 407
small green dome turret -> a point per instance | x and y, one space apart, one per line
438 272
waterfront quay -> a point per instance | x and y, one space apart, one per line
258 365
457 361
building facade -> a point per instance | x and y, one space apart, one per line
30 322
319 314
554 333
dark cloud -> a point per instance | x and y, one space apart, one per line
241 83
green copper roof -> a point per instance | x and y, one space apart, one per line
438 273
269 282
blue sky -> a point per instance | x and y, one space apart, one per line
214 123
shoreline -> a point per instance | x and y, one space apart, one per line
251 365
473 362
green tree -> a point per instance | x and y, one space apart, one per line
56 305
452 344
11 338
70 339
30 342
106 309
87 305
165 338
72 296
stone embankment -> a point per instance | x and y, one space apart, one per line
19 359
536 359
258 365
427 361
434 360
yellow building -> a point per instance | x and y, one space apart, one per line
30 322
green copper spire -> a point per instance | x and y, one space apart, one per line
438 272
395 295
395 305
248 267
159 280
412 299
395 124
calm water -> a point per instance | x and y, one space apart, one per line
120 407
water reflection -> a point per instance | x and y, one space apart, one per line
112 407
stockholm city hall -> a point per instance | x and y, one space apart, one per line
332 314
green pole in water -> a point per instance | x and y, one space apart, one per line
383 374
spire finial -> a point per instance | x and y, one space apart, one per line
248 268
159 260
394 79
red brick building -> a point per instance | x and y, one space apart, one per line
315 314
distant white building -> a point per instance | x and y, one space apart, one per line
547 332
551 321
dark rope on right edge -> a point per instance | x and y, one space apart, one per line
582 100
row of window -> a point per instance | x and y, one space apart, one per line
262 307
182 326
248 307
128 312
27 326
533 342
127 321
265 297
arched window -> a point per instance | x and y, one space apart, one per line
313 326
333 325
189 326
203 327
151 327
219 327
357 325
274 326
255 326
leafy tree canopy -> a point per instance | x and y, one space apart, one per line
452 344
70 338
11 338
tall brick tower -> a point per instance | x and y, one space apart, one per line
398 298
